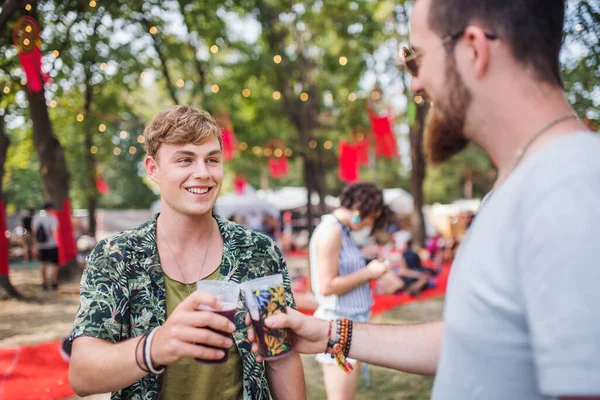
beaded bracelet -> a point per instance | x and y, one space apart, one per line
338 346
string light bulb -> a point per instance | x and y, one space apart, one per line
153 30
180 83
246 92
256 150
103 66
28 7
56 53
141 139
132 150
268 152
304 96
117 151
343 60
312 144
243 146
278 153
123 135
93 149
352 96
6 89
102 128
92 4
375 95
276 58
418 99
80 117
214 49
288 152
53 103
327 145
214 88
276 95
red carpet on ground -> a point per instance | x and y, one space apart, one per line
39 373
33 373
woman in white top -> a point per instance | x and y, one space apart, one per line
339 273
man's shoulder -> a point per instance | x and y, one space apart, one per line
242 236
139 240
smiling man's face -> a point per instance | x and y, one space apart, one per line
189 176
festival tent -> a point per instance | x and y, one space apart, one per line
244 204
399 201
292 198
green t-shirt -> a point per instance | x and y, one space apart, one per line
188 379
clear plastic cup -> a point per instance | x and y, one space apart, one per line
228 294
265 297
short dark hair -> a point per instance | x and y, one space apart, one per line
367 198
48 206
533 29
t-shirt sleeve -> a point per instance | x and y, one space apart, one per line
103 303
560 277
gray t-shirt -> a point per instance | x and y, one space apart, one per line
522 313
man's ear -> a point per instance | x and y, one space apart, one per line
479 49
151 168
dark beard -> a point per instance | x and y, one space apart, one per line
444 131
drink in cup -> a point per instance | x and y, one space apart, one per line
265 297
228 294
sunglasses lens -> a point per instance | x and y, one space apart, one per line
410 61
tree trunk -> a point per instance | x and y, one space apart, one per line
7 291
92 189
417 174
55 176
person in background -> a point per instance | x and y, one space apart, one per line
412 273
339 274
45 226
28 240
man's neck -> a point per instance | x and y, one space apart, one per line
513 118
182 230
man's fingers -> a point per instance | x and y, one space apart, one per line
200 319
191 335
200 352
197 299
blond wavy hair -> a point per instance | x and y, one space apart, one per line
180 125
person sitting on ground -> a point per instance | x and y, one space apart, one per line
412 273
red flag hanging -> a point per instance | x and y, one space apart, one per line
239 184
278 166
385 140
348 162
229 143
362 151
102 185
67 250
26 37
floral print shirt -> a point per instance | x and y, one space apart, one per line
123 294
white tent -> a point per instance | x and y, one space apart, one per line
290 198
398 200
244 204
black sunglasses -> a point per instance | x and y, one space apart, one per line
410 59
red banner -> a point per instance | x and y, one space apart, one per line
229 143
239 185
348 162
3 242
67 250
278 167
385 140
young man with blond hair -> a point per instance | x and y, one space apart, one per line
139 286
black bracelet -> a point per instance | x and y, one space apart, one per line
137 346
144 353
347 347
